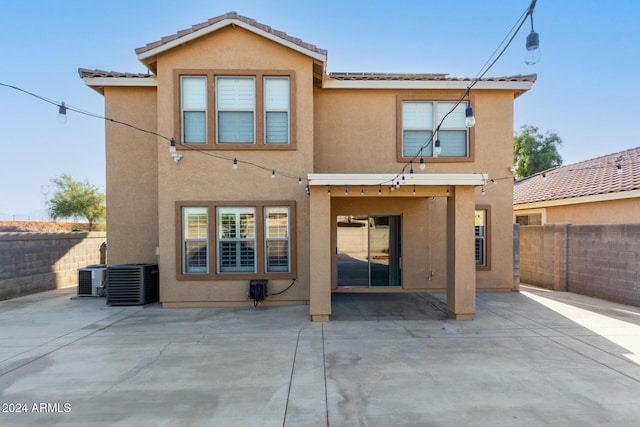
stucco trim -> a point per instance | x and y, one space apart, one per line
578 200
444 179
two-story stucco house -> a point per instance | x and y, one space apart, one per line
280 171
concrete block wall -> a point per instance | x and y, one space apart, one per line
604 261
37 262
596 260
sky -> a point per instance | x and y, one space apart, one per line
586 92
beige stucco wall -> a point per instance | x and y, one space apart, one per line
625 211
355 132
337 131
132 175
198 177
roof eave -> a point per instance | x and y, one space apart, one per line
148 57
339 179
99 83
517 86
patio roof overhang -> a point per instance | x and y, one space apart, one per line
418 179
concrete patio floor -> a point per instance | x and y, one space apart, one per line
530 358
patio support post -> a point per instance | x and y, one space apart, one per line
320 255
461 266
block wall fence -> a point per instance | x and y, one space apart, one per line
602 261
37 262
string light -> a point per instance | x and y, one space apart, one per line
362 190
469 116
346 191
380 190
436 148
329 190
300 180
411 169
448 191
532 42
63 108
235 164
62 113
414 189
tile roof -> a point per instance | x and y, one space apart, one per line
230 15
426 77
86 73
587 178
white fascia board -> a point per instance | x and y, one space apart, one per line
120 81
423 84
452 179
225 23
621 195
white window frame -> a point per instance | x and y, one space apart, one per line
481 238
429 151
268 238
186 239
233 110
276 109
238 239
184 110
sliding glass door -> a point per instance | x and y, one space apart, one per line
369 251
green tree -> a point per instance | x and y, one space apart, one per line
76 198
534 152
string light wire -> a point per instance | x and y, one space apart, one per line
483 71
485 68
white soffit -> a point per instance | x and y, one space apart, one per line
225 23
328 83
120 81
453 179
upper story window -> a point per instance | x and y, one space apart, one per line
236 105
276 107
418 121
237 110
194 110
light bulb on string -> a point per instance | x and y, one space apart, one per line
414 189
422 165
470 119
533 45
380 190
346 191
235 164
273 173
437 149
300 180
362 190
62 113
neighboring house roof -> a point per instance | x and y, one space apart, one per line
607 175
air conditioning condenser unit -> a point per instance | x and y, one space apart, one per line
92 280
132 284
